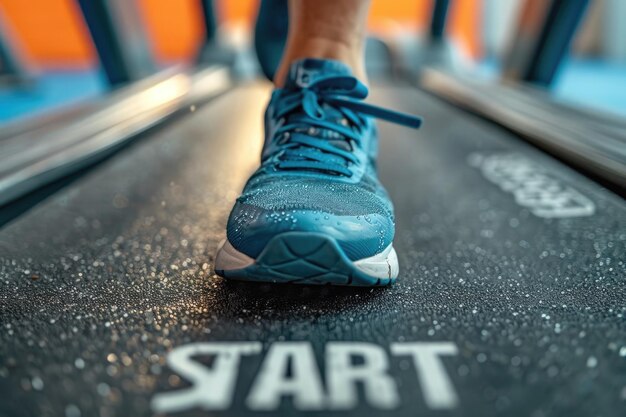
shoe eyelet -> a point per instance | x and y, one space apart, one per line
282 139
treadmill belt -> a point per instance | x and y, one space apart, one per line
510 299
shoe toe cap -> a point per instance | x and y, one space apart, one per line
250 228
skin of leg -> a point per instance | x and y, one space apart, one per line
327 29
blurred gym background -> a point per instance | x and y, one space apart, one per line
50 43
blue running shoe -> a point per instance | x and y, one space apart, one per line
314 212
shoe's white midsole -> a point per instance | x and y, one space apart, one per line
381 265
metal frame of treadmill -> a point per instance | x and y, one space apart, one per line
33 156
118 36
592 141
12 70
439 17
543 35
39 151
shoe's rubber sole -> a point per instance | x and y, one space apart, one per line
306 258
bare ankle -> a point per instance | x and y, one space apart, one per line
350 53
326 30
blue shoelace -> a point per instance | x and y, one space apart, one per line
304 112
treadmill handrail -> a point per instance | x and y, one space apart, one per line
555 127
31 159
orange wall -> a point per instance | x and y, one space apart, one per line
465 25
53 33
161 16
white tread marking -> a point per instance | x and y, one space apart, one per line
532 185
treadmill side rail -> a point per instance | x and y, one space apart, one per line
33 158
593 142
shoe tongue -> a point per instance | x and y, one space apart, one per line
305 71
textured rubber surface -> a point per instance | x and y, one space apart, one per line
101 281
304 258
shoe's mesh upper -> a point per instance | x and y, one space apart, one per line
302 193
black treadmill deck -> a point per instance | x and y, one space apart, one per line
510 299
